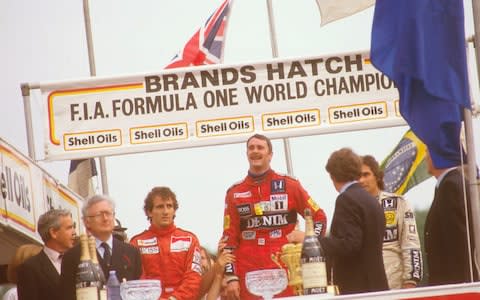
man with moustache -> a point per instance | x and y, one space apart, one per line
39 276
260 216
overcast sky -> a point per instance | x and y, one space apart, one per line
45 41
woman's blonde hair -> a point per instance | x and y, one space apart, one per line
22 254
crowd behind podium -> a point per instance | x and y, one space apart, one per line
373 243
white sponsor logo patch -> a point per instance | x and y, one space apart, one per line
197 268
149 250
248 235
278 202
197 261
197 257
180 243
275 234
147 242
246 194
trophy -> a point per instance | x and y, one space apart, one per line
290 256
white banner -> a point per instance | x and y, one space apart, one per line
27 191
216 104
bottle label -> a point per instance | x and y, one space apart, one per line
87 293
229 268
103 294
314 275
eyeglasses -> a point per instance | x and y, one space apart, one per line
102 214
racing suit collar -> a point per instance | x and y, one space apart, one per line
256 178
162 230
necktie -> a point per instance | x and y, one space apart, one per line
107 255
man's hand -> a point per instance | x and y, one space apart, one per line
233 290
223 259
408 285
296 236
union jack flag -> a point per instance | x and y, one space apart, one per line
206 45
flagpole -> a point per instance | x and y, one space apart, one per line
93 72
471 154
273 41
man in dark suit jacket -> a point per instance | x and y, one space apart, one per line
98 215
446 238
39 276
354 246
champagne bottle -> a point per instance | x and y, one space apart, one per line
97 269
314 271
86 284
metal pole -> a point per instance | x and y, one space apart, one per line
473 185
27 108
472 170
91 61
476 29
273 41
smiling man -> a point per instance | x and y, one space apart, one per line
169 254
260 216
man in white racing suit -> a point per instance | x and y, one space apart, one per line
402 256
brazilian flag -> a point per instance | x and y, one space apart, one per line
405 166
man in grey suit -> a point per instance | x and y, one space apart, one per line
39 276
354 246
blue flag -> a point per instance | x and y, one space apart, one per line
420 45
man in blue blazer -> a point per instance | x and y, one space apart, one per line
446 237
354 246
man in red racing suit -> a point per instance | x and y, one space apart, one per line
169 254
260 212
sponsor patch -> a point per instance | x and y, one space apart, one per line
248 235
197 268
408 215
317 228
261 207
416 264
273 221
244 210
246 194
149 250
226 222
390 218
275 234
261 242
197 256
180 243
391 234
389 203
279 202
277 186
147 242
313 205
412 229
